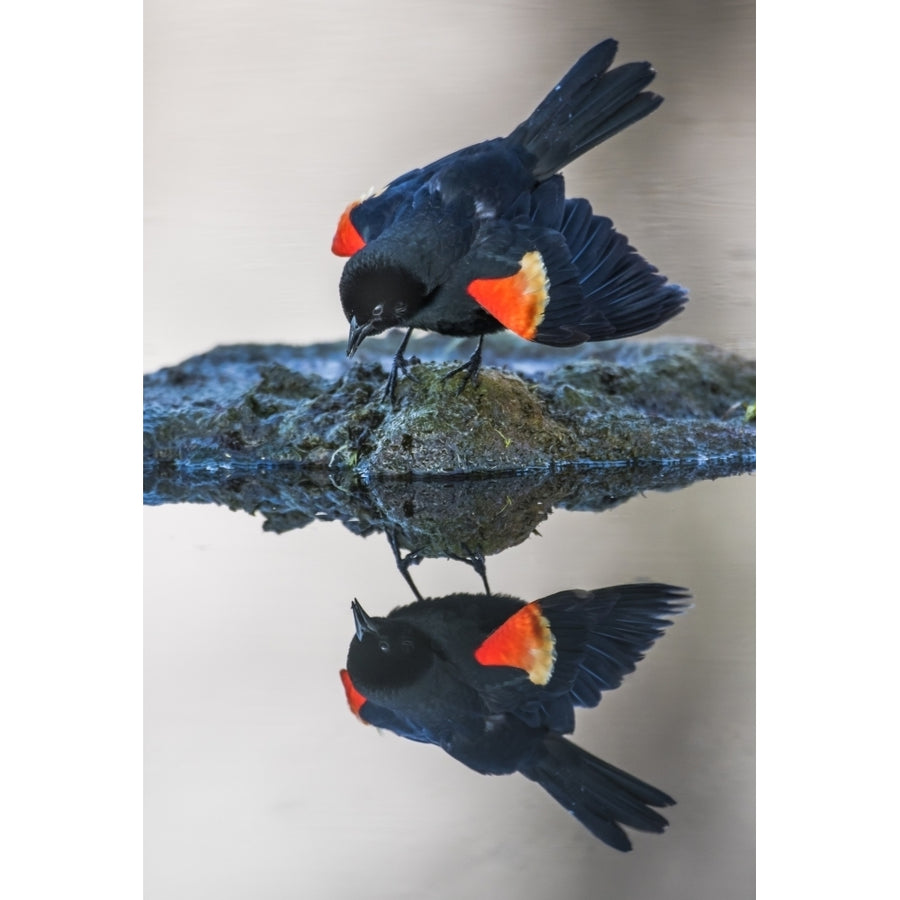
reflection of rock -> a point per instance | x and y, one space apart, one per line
246 407
488 515
455 517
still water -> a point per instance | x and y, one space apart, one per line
262 120
261 783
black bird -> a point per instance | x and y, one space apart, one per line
485 239
495 682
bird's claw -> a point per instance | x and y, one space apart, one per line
403 364
470 368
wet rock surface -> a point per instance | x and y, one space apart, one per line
625 404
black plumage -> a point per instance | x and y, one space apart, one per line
495 683
485 239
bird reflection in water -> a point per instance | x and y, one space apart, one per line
494 681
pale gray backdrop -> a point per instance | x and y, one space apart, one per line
263 119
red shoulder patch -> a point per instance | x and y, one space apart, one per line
355 699
517 301
523 641
347 240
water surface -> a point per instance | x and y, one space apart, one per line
260 782
262 120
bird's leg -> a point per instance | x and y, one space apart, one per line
400 362
479 565
470 367
403 563
475 559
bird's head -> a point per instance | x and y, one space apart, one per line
377 293
385 655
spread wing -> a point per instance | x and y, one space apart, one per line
598 637
560 275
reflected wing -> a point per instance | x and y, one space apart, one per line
382 717
600 636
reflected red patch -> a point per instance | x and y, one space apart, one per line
523 641
355 699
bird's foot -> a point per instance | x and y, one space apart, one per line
475 559
413 558
401 363
470 368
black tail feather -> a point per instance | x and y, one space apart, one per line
602 797
587 107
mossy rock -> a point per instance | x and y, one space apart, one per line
616 404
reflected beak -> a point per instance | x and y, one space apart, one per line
361 618
358 333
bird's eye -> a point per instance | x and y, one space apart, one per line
378 310
384 646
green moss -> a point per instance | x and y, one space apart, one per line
615 404
497 424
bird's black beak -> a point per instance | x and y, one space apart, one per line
363 623
358 333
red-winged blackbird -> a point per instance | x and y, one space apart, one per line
494 682
485 239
